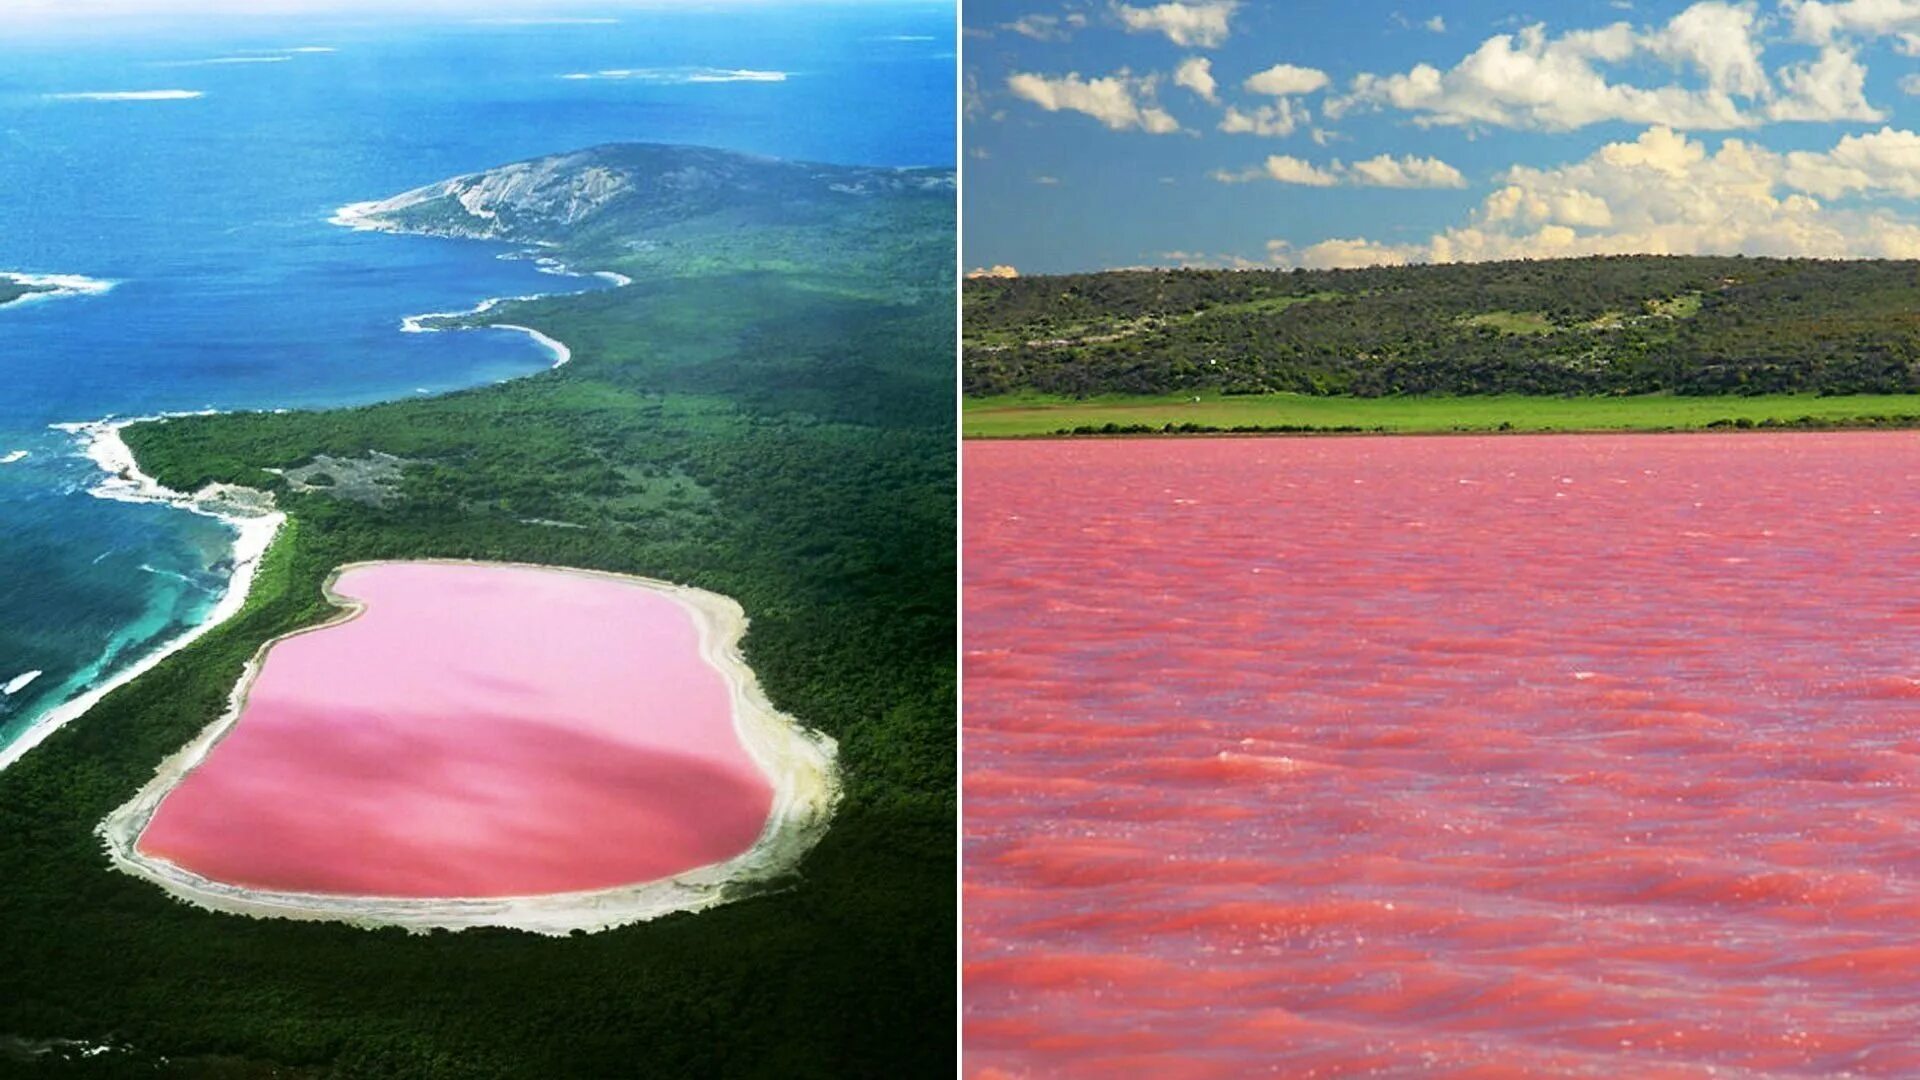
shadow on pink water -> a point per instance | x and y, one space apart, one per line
476 731
1443 756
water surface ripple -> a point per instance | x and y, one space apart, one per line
1588 755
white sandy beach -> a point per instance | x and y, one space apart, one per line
249 513
800 765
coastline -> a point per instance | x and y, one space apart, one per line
798 762
101 442
250 514
53 286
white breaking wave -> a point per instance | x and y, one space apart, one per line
53 286
213 60
682 75
17 455
19 682
129 95
252 518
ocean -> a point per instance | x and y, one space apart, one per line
208 214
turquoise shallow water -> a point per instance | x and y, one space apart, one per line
232 291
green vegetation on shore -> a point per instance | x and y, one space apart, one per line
12 288
1629 325
773 427
1207 412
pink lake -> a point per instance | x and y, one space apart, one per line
1488 757
476 731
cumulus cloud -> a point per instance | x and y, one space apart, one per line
1715 39
1047 27
1201 24
1384 170
1666 193
1405 172
1531 79
1282 82
1817 22
1832 87
1196 74
1286 80
1120 101
1882 162
1910 84
1278 119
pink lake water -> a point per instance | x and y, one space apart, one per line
1459 757
476 731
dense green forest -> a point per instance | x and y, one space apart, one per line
1617 325
771 426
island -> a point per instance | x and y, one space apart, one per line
13 288
18 287
759 408
1639 342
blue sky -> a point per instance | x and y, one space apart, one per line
1207 132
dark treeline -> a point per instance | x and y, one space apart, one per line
1617 325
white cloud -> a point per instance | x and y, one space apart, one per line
1384 170
1120 101
1047 27
681 75
1405 172
1278 119
1047 181
1531 80
1200 24
1910 84
1329 254
1437 24
1196 74
1817 22
129 95
1717 40
1882 162
1557 83
1832 87
1292 170
1286 80
1665 193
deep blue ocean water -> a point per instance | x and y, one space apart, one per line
232 290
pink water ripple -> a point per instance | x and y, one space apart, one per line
1452 756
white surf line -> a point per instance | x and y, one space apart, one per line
360 217
53 286
128 95
798 762
250 514
19 682
13 456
